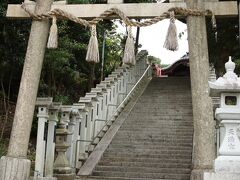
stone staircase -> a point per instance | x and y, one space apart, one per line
155 141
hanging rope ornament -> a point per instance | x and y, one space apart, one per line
171 42
93 51
129 51
53 35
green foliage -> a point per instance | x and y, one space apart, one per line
65 75
3 147
154 60
224 43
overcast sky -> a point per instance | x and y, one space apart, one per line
153 37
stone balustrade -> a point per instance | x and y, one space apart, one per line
67 134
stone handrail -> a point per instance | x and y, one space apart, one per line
83 124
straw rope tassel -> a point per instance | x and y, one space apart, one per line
53 35
171 42
129 51
93 51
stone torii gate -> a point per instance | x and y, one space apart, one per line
16 166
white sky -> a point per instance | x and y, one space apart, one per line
153 37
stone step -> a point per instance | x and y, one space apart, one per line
145 164
120 178
152 135
153 169
153 147
162 156
148 151
159 123
141 175
147 159
153 139
158 129
155 133
170 110
147 143
156 139
154 116
157 120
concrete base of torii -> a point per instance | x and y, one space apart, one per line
9 168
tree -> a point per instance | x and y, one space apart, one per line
154 60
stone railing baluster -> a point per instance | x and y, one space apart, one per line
72 128
112 103
43 105
106 93
130 79
89 117
80 136
99 123
118 76
95 111
108 99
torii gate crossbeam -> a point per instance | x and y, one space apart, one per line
132 10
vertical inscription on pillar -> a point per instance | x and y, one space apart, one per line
231 139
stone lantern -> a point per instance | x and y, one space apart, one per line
227 164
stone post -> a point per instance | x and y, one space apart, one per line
89 117
71 138
118 75
99 95
50 150
84 111
62 169
112 101
130 79
95 114
15 161
105 92
43 105
124 80
108 103
204 130
76 134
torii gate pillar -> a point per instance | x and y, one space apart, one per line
16 166
203 143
